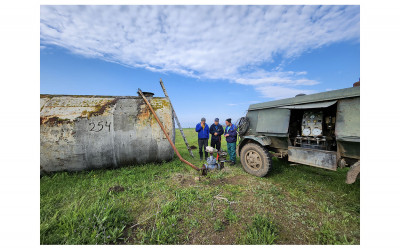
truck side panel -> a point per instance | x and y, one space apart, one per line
348 120
273 121
348 128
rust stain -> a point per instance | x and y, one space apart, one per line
54 120
143 114
100 109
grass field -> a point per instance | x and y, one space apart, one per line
171 203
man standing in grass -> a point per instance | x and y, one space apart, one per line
216 130
203 135
231 138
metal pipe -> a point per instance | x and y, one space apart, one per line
166 134
176 118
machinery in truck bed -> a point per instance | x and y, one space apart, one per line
320 130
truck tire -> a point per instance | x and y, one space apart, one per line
353 173
255 159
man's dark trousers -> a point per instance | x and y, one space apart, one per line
216 144
203 143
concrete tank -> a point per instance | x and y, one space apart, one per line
92 132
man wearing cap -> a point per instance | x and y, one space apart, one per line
202 135
216 130
231 138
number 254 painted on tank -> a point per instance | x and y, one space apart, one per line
99 127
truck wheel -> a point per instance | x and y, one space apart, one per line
353 173
255 159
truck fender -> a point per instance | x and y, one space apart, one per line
262 140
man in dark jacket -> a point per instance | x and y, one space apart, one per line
203 135
216 130
231 138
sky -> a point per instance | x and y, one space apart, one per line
214 60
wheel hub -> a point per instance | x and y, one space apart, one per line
253 159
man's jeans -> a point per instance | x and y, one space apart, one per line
216 144
203 143
232 151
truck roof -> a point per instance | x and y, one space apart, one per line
319 97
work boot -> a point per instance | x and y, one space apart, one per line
232 163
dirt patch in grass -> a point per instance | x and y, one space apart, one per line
237 180
288 213
233 180
185 180
214 229
225 237
116 189
216 182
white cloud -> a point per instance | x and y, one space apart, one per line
281 77
215 42
278 92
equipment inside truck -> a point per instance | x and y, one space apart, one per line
313 126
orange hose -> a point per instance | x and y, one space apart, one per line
166 134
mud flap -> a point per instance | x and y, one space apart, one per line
353 173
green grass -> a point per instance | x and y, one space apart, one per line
219 225
230 215
262 231
166 204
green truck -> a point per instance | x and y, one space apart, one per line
320 130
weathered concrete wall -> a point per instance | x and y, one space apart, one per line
89 132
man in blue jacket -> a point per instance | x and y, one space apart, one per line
231 138
216 130
203 135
